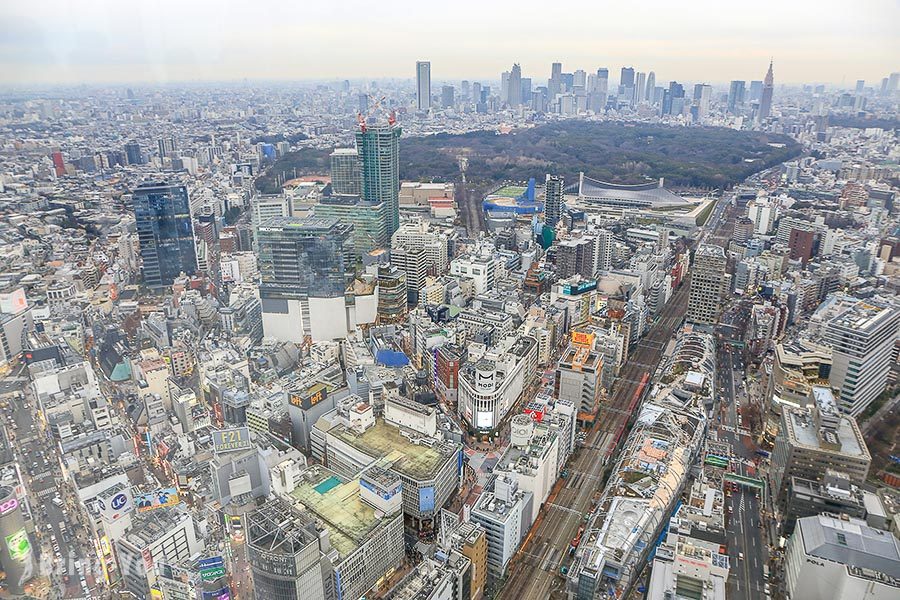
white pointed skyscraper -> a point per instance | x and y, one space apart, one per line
765 101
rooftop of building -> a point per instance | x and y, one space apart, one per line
852 542
419 460
338 507
863 316
651 194
150 526
802 431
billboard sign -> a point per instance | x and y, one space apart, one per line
580 288
211 562
232 439
8 505
18 546
116 505
162 498
212 574
580 338
312 396
426 499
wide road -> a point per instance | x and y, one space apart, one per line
747 551
533 574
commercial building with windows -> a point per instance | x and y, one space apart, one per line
162 535
813 440
505 515
579 379
165 231
862 339
305 268
283 547
798 366
359 526
345 172
367 218
494 380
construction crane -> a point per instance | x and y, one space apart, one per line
392 116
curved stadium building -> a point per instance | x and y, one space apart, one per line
600 194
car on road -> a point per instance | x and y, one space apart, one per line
740 556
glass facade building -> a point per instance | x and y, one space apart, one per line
379 155
303 258
165 232
368 219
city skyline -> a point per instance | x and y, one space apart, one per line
55 43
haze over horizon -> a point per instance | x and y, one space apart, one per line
66 42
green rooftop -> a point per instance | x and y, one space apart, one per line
511 191
416 461
337 505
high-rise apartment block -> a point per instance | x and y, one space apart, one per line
708 283
553 196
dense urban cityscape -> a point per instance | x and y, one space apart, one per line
585 333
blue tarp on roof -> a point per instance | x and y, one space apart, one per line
389 358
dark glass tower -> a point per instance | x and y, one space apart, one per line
163 218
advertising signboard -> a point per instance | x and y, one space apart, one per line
162 498
114 506
230 440
18 545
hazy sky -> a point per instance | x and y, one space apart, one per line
63 41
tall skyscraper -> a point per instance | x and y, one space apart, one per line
600 93
673 100
133 154
755 91
640 81
345 172
651 86
526 90
553 193
765 101
702 97
423 85
166 146
447 96
379 154
626 86
735 95
166 234
708 283
514 90
555 82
